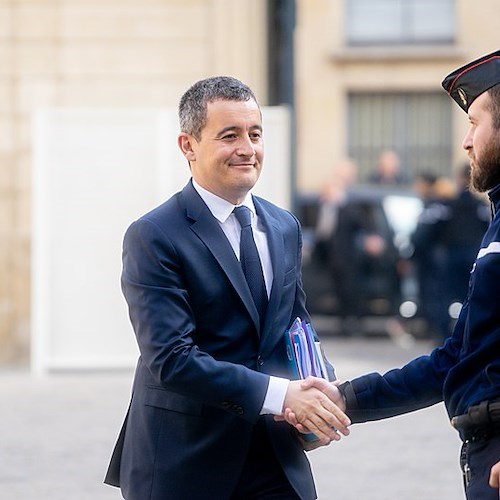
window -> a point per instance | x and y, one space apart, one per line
416 125
400 21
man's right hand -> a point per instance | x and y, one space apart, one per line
315 405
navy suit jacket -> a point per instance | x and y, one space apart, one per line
205 360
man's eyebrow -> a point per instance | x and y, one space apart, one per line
232 128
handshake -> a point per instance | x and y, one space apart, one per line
316 405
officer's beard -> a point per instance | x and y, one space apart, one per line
485 174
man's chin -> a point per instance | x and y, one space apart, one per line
477 185
247 182
481 185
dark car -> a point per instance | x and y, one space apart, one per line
375 283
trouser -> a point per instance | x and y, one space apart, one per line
262 477
476 459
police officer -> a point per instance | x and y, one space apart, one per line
429 256
465 371
464 228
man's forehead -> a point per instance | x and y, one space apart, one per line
234 113
232 103
481 103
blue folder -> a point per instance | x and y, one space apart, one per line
304 351
304 355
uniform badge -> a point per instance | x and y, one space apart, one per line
463 96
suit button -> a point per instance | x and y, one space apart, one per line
260 361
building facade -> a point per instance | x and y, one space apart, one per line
367 77
94 54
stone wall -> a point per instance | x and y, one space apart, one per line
100 53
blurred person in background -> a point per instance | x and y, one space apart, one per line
213 367
355 252
333 196
445 188
430 256
446 242
336 231
464 371
388 170
468 220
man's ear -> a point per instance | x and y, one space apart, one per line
185 142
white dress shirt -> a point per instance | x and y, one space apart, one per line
222 210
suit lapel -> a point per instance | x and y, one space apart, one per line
206 227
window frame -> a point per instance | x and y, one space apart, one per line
408 32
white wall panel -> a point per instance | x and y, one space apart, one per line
94 172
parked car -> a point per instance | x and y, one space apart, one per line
385 283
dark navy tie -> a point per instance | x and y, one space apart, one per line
250 261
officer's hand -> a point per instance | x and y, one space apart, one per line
495 476
329 388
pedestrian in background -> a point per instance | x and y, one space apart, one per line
334 195
339 246
467 222
446 241
388 169
429 256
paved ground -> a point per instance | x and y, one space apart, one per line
57 432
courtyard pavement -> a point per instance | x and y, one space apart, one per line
57 432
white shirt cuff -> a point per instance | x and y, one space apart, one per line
275 396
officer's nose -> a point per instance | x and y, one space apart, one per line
467 142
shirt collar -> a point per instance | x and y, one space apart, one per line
221 209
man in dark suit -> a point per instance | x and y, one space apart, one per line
213 370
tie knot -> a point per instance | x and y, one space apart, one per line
243 215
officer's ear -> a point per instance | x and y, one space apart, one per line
185 142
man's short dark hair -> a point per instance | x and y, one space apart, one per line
193 104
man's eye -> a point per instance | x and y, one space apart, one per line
229 136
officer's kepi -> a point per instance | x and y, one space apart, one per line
470 81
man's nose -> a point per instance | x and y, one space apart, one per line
245 147
467 142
